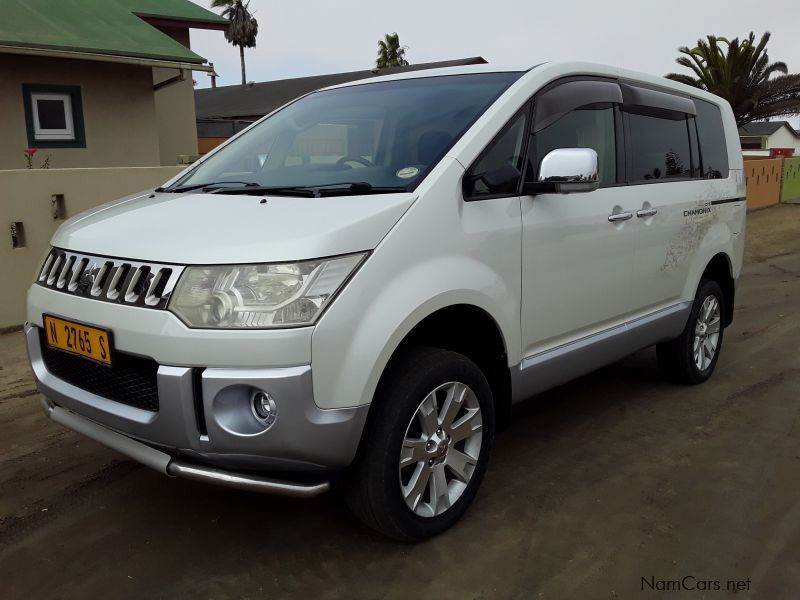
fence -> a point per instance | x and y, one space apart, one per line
763 177
791 181
33 203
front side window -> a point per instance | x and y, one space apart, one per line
589 127
660 148
384 135
54 116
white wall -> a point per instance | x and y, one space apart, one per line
783 138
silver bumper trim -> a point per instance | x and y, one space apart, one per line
144 454
251 483
164 463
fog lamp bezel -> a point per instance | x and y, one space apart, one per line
257 398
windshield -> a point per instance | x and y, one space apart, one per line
378 135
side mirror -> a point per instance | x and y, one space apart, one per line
566 171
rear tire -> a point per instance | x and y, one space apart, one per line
692 357
427 445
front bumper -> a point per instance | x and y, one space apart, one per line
204 421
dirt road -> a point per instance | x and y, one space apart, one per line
603 488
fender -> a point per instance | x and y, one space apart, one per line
349 373
442 252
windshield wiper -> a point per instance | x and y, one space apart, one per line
212 185
359 187
266 190
316 191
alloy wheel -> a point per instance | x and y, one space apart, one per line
706 333
440 449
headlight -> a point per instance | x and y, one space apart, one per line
260 296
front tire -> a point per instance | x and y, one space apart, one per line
692 357
427 446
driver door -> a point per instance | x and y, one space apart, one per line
577 264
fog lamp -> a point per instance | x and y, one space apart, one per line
264 407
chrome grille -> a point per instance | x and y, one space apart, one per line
147 285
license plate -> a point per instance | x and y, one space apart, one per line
75 338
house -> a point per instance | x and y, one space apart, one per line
769 138
99 83
224 111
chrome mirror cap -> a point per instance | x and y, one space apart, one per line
570 170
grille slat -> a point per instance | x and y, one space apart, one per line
147 285
137 284
156 288
117 281
76 274
51 278
65 269
131 380
46 268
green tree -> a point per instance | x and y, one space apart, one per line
740 72
242 27
390 52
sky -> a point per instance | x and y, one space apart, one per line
312 37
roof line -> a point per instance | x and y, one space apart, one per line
376 72
146 15
114 58
165 22
39 49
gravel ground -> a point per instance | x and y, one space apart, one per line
602 488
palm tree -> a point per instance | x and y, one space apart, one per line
242 27
740 72
390 52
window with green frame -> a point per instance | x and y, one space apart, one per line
54 116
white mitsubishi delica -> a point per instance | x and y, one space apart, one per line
358 287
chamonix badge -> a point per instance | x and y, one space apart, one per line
407 172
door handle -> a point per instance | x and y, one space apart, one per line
623 216
646 212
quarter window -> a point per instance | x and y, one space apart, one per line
659 148
713 148
583 128
498 171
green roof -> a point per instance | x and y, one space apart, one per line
183 10
112 27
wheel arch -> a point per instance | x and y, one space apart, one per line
469 330
473 332
720 269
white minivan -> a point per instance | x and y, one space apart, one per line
358 287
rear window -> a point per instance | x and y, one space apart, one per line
713 148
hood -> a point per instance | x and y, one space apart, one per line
217 228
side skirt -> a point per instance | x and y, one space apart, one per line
550 368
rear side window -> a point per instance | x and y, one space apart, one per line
713 148
660 148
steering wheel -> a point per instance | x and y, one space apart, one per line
356 159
